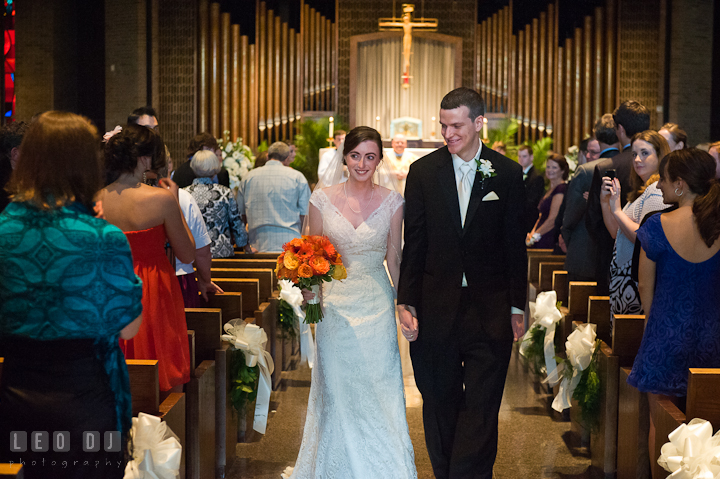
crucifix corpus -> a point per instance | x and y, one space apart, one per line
407 24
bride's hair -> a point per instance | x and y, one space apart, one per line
359 135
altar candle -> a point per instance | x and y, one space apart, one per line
332 125
377 123
432 123
485 136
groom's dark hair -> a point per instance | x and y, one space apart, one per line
464 97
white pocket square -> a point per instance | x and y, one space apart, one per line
492 196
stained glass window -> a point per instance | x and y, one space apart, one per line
8 108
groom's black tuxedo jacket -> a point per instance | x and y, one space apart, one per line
489 249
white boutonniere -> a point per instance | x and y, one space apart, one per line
484 167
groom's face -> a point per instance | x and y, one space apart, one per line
460 131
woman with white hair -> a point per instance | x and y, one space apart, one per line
217 205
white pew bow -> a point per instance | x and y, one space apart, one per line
693 452
579 348
293 296
251 339
546 314
157 452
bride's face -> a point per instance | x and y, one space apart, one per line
363 160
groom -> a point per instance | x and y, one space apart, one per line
463 273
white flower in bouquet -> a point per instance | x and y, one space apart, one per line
229 147
238 159
571 158
236 155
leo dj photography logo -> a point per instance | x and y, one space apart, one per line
59 441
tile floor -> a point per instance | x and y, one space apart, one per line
534 442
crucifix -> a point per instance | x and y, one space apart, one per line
407 24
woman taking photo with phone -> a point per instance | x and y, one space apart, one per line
648 147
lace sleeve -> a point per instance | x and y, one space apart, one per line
318 199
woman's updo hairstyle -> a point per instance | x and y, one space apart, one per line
359 135
123 150
697 169
677 133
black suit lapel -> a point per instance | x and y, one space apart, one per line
446 178
480 187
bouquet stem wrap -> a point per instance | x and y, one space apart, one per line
693 452
292 295
546 314
251 339
579 347
157 451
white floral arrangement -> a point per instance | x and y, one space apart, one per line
572 158
237 158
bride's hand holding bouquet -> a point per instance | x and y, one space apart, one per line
308 262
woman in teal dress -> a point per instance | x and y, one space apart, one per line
68 293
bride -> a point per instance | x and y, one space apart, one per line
356 425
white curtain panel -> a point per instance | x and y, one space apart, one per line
379 83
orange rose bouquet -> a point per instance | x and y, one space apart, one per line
308 262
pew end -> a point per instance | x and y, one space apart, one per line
560 285
11 471
703 398
627 336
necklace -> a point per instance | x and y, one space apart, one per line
372 192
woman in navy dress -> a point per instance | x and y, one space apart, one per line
544 233
679 277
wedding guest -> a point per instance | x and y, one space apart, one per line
680 259
11 136
543 234
606 136
629 119
68 294
273 201
648 148
184 174
674 135
150 217
327 157
399 160
714 150
261 159
217 205
144 116
500 147
534 186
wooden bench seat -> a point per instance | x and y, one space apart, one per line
560 285
270 264
264 275
578 293
243 255
200 415
8 471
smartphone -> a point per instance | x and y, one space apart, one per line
610 174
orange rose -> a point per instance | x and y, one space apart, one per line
291 261
293 245
340 272
319 264
304 271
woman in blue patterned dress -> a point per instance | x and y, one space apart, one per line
680 277
67 294
217 205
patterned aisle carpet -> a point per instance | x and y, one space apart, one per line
534 443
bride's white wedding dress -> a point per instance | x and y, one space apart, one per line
356 425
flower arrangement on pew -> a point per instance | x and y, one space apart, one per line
307 262
580 379
237 159
693 452
251 367
156 450
538 344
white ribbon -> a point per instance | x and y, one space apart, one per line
546 314
293 296
693 452
157 451
579 348
251 339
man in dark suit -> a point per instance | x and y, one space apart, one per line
534 186
184 175
462 286
630 118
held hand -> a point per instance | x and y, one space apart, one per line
561 244
308 295
408 322
170 185
615 195
210 287
518 326
605 189
249 249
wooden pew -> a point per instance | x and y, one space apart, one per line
603 443
250 289
270 264
703 402
230 304
243 255
578 293
266 277
560 285
545 277
599 314
207 324
633 412
534 271
11 471
200 416
145 392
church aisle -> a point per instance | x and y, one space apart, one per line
532 443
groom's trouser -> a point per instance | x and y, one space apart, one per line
461 426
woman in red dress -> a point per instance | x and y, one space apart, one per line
150 217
